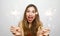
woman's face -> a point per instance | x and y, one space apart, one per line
30 14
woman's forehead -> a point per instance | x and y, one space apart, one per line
31 8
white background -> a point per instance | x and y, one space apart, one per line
11 12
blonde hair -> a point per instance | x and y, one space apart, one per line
35 24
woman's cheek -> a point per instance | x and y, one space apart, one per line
27 14
34 16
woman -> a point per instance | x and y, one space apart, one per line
31 24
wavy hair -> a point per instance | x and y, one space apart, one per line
35 24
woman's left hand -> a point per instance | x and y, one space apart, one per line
44 32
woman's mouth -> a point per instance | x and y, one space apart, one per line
30 18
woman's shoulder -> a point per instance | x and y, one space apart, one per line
20 24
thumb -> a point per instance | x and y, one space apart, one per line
18 29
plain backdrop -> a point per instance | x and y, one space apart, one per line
11 12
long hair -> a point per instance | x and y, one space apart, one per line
35 24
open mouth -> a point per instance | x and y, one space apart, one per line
30 18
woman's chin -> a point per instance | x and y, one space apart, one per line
30 21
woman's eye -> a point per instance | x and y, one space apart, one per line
33 11
28 11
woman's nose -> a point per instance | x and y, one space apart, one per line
30 13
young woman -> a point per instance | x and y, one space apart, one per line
31 24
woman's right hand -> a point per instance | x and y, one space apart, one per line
15 30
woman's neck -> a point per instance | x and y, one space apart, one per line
30 24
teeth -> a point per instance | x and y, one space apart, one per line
30 17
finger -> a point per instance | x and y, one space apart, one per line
12 30
18 29
46 32
17 33
12 26
47 29
41 35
